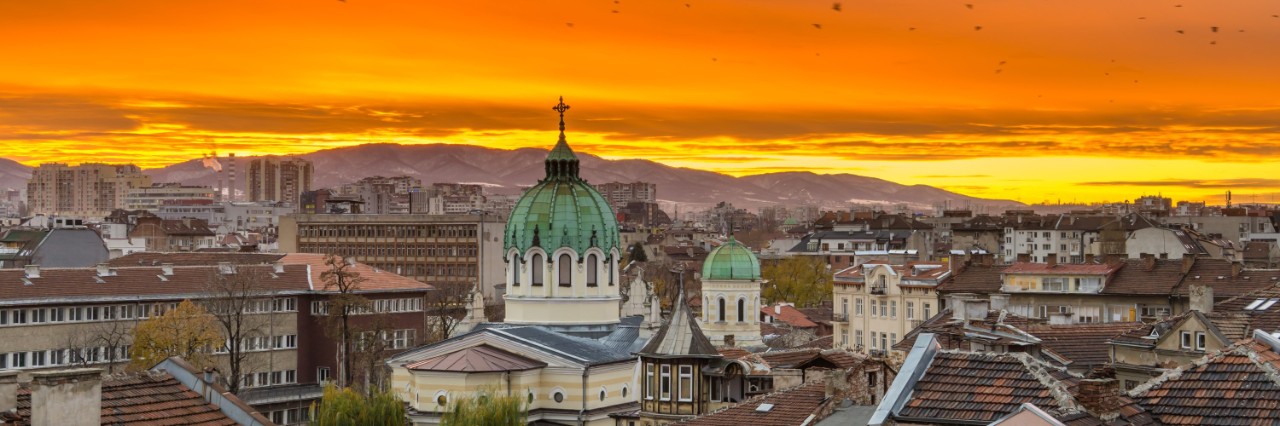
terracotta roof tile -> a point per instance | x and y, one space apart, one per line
374 279
789 315
1135 278
150 399
1217 273
476 359
1083 344
147 258
1238 385
789 407
983 387
974 279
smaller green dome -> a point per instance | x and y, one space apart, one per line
731 261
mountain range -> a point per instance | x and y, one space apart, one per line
506 171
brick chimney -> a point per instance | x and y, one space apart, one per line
1100 397
1024 258
1188 260
1088 258
1201 296
1236 267
67 397
8 390
1052 260
1148 262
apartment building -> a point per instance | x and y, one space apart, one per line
59 318
428 248
876 304
156 195
89 190
618 194
273 178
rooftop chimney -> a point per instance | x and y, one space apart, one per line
1201 296
104 270
1024 258
32 271
278 267
226 268
999 301
67 397
1236 267
166 268
777 309
8 390
1052 260
1188 260
1088 258
1100 397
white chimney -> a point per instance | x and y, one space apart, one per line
67 397
777 309
278 267
32 271
166 269
104 270
8 390
999 301
226 268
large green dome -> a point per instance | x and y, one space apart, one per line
731 261
562 210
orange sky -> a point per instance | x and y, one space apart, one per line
1086 100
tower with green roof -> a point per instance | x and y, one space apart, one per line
731 295
562 248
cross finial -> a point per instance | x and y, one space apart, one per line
561 108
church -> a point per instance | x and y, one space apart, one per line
564 345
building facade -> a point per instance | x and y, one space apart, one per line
428 248
618 194
878 304
731 296
89 190
272 178
156 195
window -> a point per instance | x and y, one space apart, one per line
857 306
37 316
928 312
291 376
1054 284
126 312
742 310
686 383
664 383
566 270
624 391
884 310
19 317
4 317
537 269
1199 340
716 390
18 360
558 396
911 310
593 271
264 378
720 303
515 270
37 359
884 341
857 338
1186 340
648 381
844 308
893 340
322 374
602 394
893 309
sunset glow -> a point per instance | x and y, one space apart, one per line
1048 101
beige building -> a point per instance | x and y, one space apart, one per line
152 197
272 178
877 304
731 296
429 248
89 190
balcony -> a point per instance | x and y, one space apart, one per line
877 289
840 317
915 323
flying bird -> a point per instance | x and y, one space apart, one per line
1213 42
1001 62
569 24
615 11
969 5
998 70
818 26
1142 18
1177 5
911 29
1180 32
1214 29
977 28
835 6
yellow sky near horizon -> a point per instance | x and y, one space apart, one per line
1072 101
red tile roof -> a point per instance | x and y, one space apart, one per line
1238 385
788 314
375 280
983 387
148 258
132 283
1217 273
477 359
1083 344
146 399
789 407
1136 278
1062 269
974 279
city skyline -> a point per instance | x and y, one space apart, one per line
1101 102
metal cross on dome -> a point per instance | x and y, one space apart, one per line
561 108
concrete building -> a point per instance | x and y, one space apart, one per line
428 248
230 217
877 304
156 195
168 235
89 190
283 180
618 194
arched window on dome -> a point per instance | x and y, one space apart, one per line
566 271
720 303
612 262
537 267
515 270
742 310
593 271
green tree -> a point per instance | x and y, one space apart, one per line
188 331
486 408
346 407
802 280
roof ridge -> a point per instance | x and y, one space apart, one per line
1060 392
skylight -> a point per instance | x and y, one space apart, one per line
765 407
1254 304
1267 305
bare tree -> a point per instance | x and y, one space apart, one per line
374 341
105 341
445 307
242 304
343 282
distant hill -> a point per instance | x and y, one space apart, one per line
505 171
13 175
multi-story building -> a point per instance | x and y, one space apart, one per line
89 190
165 235
84 317
618 194
399 185
278 179
156 195
876 304
227 218
429 248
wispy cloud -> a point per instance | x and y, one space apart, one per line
1246 183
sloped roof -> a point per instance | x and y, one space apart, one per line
1134 277
1217 273
150 399
1237 385
131 283
1232 313
974 279
375 280
1062 269
788 314
983 387
788 407
680 337
1083 344
477 359
188 258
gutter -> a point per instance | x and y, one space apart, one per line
582 414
